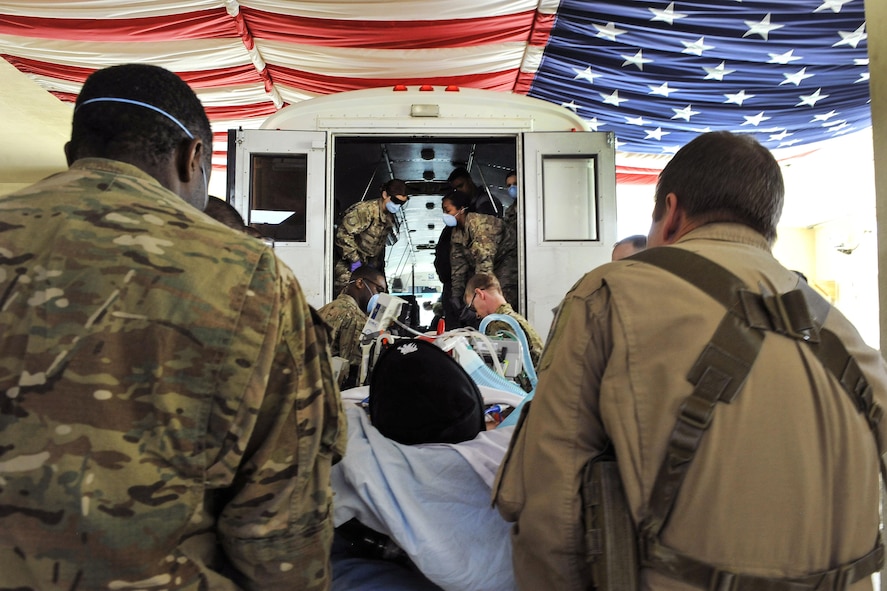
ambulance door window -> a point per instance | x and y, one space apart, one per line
279 189
573 218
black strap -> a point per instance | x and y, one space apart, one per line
705 576
717 376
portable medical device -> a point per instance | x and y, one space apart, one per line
386 310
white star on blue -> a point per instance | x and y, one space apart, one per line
786 72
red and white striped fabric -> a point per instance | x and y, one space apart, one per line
246 59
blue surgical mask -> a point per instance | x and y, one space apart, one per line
450 220
372 303
512 191
392 207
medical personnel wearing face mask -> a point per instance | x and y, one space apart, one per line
511 186
347 315
365 229
475 244
508 273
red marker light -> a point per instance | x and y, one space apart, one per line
452 88
426 88
400 88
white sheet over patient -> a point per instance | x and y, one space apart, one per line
433 500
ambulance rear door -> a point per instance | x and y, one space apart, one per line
278 186
569 186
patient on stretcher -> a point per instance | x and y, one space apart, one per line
412 504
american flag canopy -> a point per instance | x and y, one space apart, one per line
656 73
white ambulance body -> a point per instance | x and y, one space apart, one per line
293 178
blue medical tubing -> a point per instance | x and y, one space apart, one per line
520 336
483 375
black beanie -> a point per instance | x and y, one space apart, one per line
419 394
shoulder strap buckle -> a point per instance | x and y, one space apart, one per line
787 313
722 580
790 315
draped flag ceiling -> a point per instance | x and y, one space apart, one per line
656 73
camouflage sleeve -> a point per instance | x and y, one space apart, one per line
355 221
459 264
485 231
276 528
349 333
497 326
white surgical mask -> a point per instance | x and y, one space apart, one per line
512 191
450 220
392 206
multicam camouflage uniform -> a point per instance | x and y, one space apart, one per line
167 410
476 248
533 339
346 321
365 228
507 269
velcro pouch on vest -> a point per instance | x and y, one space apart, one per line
610 539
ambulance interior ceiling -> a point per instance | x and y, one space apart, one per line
362 165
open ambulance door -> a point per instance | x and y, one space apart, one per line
570 220
278 186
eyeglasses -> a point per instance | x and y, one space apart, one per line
471 303
379 288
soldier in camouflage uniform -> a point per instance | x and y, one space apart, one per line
365 229
483 295
476 245
507 275
346 318
168 417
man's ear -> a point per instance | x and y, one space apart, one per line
673 220
189 159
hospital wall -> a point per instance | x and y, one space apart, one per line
840 260
838 255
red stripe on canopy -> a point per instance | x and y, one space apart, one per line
233 112
204 24
414 34
262 110
542 26
633 175
245 74
626 178
321 84
217 24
